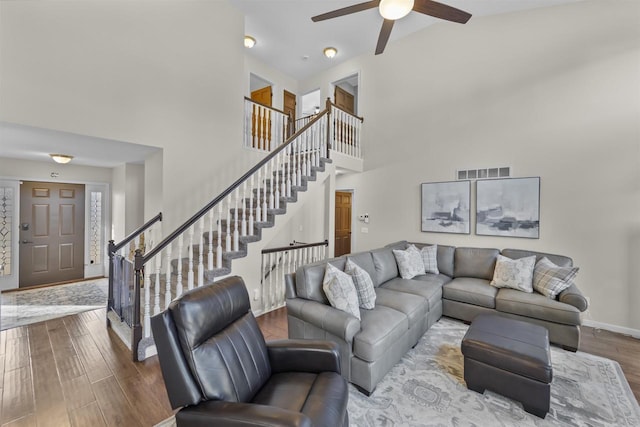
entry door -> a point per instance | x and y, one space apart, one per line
261 119
289 107
51 233
343 223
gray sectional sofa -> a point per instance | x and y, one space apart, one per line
406 308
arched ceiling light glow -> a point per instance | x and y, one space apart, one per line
330 52
395 9
61 158
249 42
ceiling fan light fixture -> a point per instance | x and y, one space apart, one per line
395 9
330 52
249 42
61 158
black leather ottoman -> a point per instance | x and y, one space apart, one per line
509 357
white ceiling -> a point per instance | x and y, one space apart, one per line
30 143
286 35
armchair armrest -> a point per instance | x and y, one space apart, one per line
573 296
325 317
304 356
233 414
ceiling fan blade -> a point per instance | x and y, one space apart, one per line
347 10
442 11
383 38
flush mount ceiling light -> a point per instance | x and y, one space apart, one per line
249 42
330 52
395 9
61 158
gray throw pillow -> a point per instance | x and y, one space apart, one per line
409 262
430 259
340 291
514 273
363 283
550 280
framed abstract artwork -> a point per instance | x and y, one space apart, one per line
508 207
445 207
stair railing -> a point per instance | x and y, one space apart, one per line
265 127
276 262
346 131
202 248
121 256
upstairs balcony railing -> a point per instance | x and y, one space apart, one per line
265 127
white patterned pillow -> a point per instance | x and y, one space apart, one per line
430 259
363 283
514 273
340 290
550 280
409 262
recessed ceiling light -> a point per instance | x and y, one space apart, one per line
330 52
249 42
61 158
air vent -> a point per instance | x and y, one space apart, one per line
503 172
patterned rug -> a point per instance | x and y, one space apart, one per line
427 389
28 306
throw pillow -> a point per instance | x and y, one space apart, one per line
550 280
409 262
340 291
514 273
430 259
364 285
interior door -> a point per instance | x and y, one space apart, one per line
51 233
289 107
343 223
261 119
344 100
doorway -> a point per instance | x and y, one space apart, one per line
343 223
289 107
345 93
51 233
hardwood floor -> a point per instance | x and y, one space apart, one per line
74 372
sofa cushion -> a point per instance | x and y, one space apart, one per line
415 308
380 328
309 279
409 262
471 291
445 257
385 265
341 291
550 280
475 262
536 306
363 284
365 260
514 273
401 244
430 290
430 259
559 260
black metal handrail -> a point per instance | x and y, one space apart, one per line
295 245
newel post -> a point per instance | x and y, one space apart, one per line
136 330
328 108
111 248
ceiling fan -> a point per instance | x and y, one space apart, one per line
392 10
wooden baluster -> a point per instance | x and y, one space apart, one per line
276 176
251 206
227 246
219 247
258 190
179 288
254 126
167 286
259 125
247 129
265 198
201 253
298 163
210 241
243 206
281 174
236 242
190 250
268 128
288 168
271 178
156 302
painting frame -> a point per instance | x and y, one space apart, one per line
445 207
508 207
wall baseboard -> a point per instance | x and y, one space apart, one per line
613 328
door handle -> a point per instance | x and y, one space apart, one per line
26 241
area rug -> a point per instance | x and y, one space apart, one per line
28 306
427 389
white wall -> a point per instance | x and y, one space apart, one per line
165 74
279 80
551 92
119 203
134 210
41 171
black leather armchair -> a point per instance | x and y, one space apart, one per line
219 370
